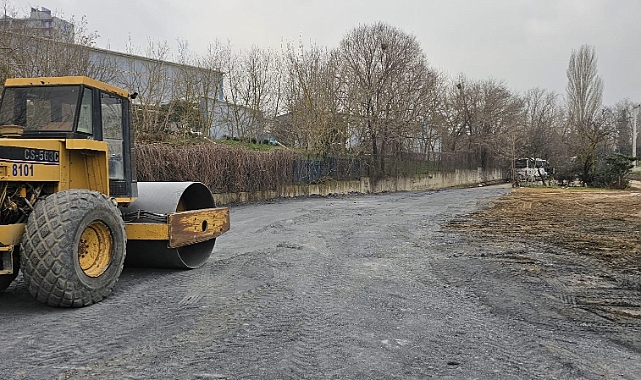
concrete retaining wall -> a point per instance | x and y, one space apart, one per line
366 186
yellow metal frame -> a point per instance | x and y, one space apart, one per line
10 237
147 231
6 258
88 165
82 164
11 234
190 227
183 228
59 81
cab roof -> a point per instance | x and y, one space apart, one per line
71 80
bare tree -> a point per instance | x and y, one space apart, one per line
624 117
543 116
430 134
153 80
481 121
252 94
386 79
500 113
585 116
26 52
211 83
197 87
312 100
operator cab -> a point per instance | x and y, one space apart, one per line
75 108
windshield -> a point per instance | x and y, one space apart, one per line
42 108
541 163
521 163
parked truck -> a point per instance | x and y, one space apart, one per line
531 169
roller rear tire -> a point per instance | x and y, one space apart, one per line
73 248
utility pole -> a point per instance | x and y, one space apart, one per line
634 133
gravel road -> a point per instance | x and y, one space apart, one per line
353 287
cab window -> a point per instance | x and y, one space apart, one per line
84 118
40 108
111 110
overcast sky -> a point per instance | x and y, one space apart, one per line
526 43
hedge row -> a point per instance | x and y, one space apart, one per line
222 168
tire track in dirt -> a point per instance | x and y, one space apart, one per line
316 316
518 357
305 312
42 342
547 287
346 288
408 264
215 321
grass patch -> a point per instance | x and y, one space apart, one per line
246 145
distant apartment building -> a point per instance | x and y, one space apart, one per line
39 23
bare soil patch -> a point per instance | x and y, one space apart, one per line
588 248
602 224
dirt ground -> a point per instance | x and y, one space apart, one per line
474 283
598 269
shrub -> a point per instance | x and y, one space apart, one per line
611 171
222 168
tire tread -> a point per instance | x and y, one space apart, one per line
46 262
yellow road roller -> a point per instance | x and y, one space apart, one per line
71 211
